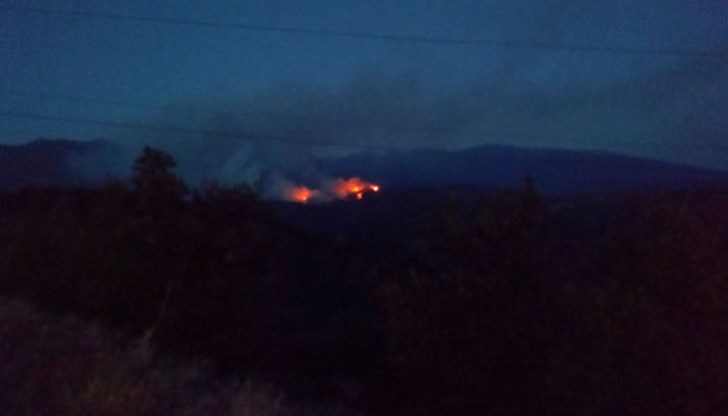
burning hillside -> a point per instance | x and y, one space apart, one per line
339 189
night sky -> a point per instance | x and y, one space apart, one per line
636 92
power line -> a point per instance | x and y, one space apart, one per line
445 41
341 122
349 123
201 110
104 101
329 143
189 131
129 104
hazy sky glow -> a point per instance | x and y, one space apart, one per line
380 92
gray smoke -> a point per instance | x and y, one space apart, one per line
674 113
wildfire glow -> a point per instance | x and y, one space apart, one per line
300 194
331 190
344 188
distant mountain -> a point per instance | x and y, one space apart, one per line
47 163
555 171
68 163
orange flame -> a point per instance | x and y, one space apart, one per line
338 189
355 186
300 194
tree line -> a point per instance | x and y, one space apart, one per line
506 308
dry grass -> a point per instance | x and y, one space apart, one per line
67 367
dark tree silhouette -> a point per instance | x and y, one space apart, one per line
153 177
497 305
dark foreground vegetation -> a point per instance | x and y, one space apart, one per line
513 306
55 366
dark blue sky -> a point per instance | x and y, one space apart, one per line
380 92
